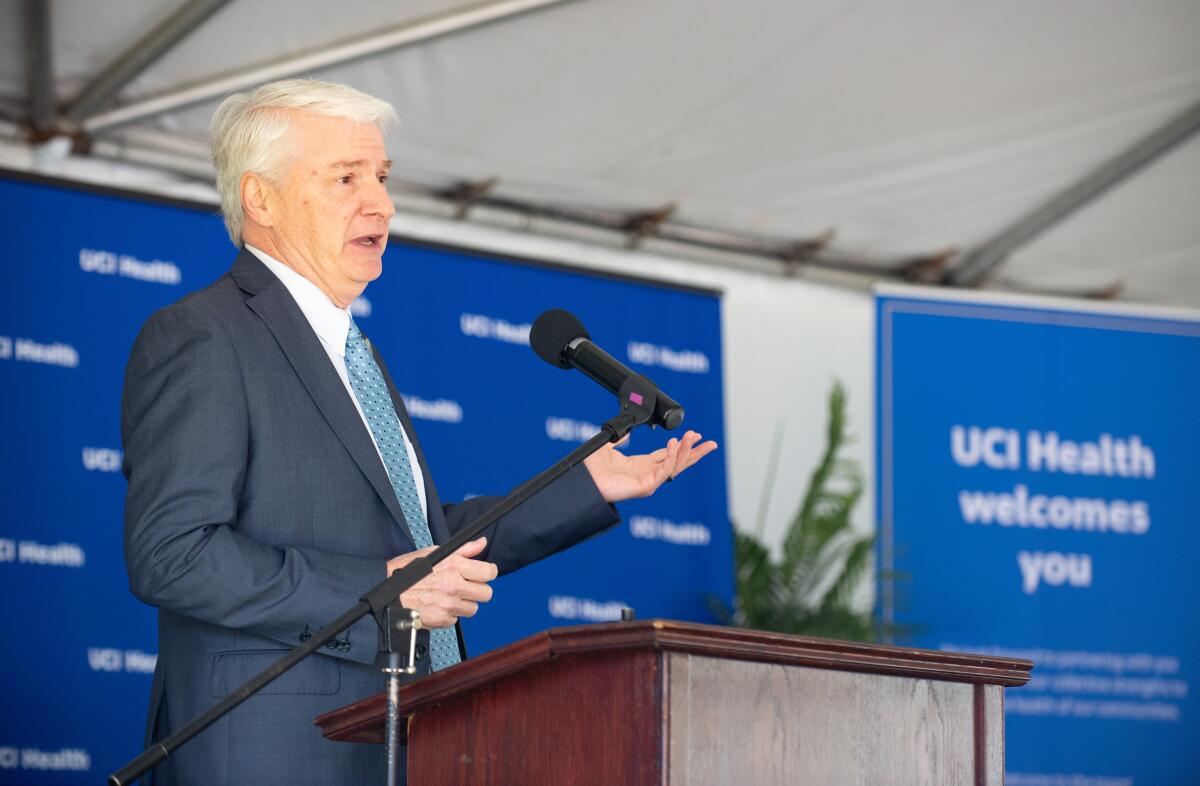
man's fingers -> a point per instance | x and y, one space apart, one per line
456 587
685 451
399 562
472 548
453 608
436 617
475 591
441 609
693 455
683 454
458 574
664 470
460 564
477 570
701 450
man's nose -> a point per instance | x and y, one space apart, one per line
378 202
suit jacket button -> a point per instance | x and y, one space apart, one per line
422 651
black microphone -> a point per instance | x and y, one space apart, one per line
560 339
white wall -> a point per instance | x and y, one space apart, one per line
785 343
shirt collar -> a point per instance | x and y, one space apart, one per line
328 321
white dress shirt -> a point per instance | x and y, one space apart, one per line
332 324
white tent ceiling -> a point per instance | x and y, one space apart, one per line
906 127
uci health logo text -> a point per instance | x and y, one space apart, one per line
442 409
27 350
481 326
66 555
570 430
687 534
688 361
114 660
573 608
63 760
101 460
110 263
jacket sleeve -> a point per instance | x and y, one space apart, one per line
186 435
568 511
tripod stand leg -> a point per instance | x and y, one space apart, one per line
398 628
394 670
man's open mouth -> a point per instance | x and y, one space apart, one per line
370 241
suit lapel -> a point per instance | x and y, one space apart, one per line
275 306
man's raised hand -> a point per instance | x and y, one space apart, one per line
620 477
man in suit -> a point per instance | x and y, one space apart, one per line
274 475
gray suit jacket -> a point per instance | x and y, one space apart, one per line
257 510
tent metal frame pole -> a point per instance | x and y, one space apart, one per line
980 262
399 36
138 57
787 257
39 64
789 254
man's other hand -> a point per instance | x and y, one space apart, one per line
455 589
620 477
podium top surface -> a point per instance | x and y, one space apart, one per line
682 637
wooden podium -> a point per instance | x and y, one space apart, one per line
659 702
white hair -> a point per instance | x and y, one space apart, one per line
248 128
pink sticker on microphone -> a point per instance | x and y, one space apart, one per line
636 398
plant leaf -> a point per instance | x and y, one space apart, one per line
810 590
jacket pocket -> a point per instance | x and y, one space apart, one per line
315 675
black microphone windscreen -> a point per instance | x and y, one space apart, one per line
552 331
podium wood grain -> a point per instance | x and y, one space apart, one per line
660 702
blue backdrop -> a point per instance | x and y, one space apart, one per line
84 270
1037 487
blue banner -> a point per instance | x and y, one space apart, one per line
1037 494
84 271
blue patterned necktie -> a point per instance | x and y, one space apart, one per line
371 391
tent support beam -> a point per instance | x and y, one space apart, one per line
39 65
137 58
788 256
784 257
406 34
646 223
977 264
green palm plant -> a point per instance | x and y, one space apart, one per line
810 589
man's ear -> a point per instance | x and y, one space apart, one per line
257 202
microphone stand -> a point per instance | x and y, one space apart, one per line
638 397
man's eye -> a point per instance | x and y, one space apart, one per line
384 178
346 179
